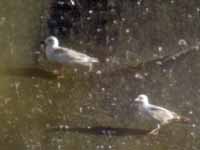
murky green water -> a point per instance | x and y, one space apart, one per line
33 101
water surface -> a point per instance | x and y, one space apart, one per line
99 109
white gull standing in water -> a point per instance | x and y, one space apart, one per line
162 115
65 56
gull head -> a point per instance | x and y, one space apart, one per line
142 99
51 41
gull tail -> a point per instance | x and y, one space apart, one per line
94 60
184 119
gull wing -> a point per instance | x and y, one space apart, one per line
161 114
65 55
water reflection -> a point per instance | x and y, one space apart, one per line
29 72
101 130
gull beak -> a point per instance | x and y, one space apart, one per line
136 99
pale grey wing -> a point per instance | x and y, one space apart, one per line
60 55
80 57
65 55
161 114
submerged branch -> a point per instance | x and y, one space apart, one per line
156 61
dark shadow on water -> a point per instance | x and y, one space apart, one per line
99 130
29 72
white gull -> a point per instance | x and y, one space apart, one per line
66 56
162 115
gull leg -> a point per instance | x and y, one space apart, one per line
59 71
155 131
90 67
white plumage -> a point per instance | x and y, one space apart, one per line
162 115
66 56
